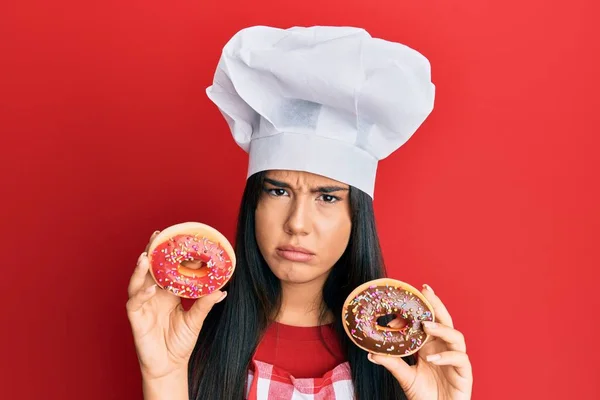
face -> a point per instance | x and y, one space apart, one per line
302 224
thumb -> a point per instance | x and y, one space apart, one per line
404 373
196 315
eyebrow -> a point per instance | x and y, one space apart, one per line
320 189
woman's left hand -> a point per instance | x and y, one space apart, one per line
443 370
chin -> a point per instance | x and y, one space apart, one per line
294 272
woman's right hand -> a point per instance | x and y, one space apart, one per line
164 333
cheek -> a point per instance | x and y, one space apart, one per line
265 224
334 236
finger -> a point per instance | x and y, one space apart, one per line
454 338
396 323
404 373
152 237
460 361
138 278
195 317
136 282
441 313
135 303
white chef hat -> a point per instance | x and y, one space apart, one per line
327 100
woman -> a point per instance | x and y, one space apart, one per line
315 108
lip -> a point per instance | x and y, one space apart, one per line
293 253
296 249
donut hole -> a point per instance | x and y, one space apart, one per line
193 264
391 322
193 268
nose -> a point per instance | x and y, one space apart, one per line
299 217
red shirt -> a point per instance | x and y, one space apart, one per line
300 350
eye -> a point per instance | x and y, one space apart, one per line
327 198
276 192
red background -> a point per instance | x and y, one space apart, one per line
107 135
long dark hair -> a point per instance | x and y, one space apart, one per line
218 366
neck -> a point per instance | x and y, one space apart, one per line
301 304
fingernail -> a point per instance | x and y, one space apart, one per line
426 286
433 357
221 298
155 233
430 325
141 257
370 357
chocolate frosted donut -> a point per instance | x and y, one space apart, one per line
381 297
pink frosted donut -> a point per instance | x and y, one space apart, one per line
191 260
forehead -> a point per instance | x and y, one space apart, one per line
299 179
